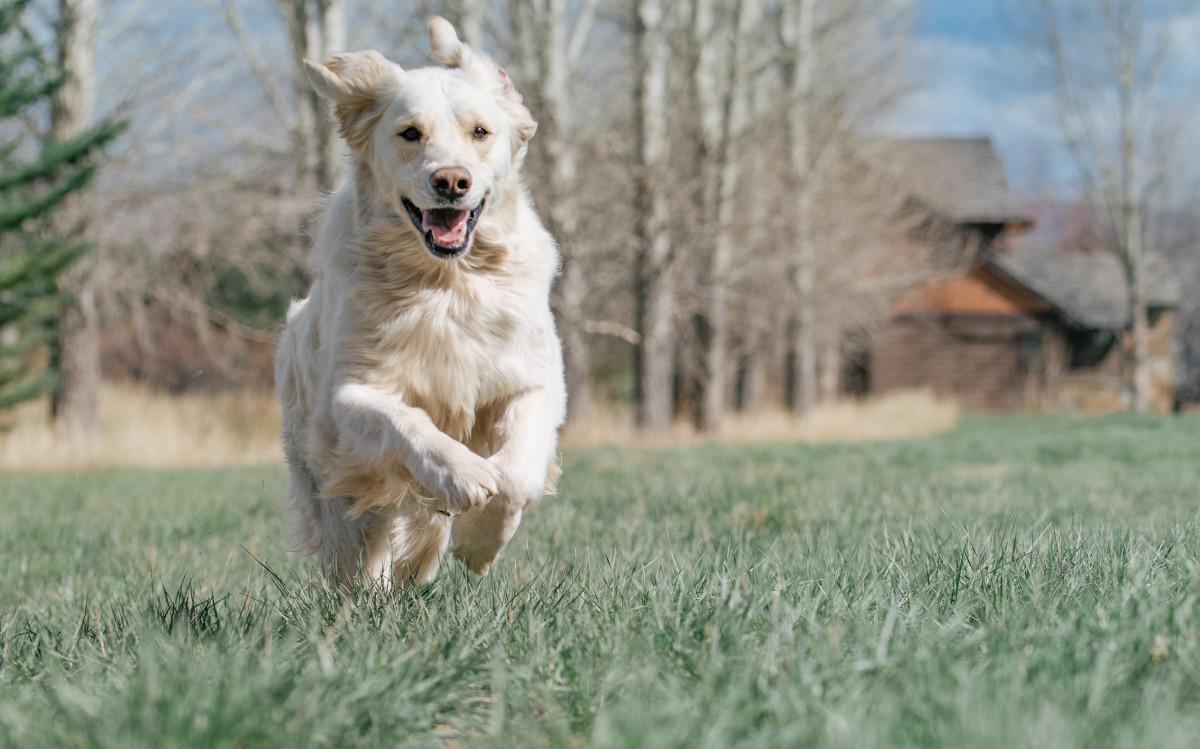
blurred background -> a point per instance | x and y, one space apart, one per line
779 219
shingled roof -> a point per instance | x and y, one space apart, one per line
1087 289
960 178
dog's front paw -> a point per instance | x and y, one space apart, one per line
479 536
462 482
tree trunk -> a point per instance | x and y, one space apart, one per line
77 355
751 380
721 84
804 343
1142 385
800 30
310 111
316 28
332 35
831 371
547 52
655 282
576 342
711 88
76 400
556 69
1139 323
1133 261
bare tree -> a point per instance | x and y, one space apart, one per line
800 41
722 79
1104 63
840 62
655 283
203 211
72 111
548 48
316 28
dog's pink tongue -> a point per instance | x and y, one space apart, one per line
449 226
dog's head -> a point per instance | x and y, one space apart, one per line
438 142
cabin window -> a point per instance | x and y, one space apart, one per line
1029 353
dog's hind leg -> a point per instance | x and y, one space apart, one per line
419 538
321 527
346 543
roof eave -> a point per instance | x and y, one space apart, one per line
1068 317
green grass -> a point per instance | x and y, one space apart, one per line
1024 581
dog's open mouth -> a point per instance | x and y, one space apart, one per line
447 231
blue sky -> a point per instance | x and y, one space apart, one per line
968 20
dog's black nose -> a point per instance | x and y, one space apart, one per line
451 182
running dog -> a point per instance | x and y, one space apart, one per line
421 378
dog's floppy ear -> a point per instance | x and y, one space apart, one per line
445 46
450 51
353 83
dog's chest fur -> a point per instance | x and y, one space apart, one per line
453 350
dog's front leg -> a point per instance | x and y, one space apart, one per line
380 437
526 435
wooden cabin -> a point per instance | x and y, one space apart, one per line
1012 327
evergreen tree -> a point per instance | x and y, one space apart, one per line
36 175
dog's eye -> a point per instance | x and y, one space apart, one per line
411 134
480 133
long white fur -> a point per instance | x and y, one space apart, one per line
421 396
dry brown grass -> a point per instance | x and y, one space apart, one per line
901 414
145 428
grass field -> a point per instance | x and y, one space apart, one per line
1019 582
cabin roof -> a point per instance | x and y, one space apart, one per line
960 178
1088 289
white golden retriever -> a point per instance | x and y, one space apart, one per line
421 379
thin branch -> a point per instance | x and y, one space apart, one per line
228 11
580 33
